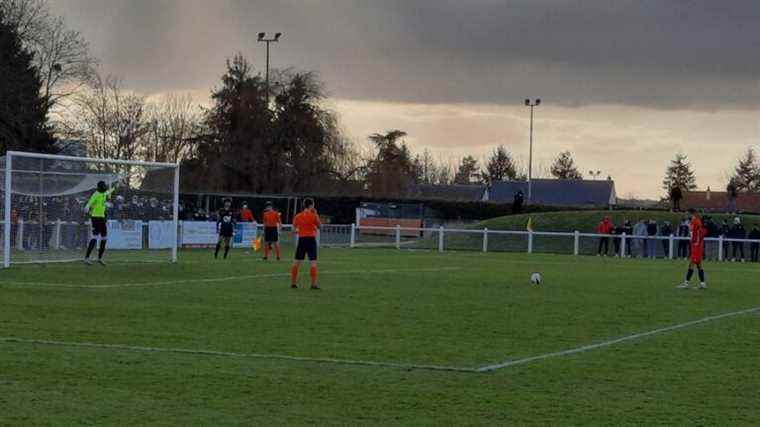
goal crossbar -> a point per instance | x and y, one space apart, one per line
90 159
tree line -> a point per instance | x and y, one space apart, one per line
744 177
680 176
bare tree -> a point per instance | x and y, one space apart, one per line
174 122
109 120
349 161
61 55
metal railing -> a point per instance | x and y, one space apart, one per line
577 243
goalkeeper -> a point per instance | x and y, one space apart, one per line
96 207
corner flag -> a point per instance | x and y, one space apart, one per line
529 227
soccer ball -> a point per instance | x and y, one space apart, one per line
536 279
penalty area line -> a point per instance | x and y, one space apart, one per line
510 363
231 278
213 353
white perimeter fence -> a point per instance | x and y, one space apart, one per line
576 243
136 235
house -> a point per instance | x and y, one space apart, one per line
461 192
717 201
555 192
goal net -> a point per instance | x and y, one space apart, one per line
44 215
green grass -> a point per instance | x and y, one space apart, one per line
462 310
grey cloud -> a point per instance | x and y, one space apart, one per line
671 54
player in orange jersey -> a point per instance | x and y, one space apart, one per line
306 226
272 221
698 232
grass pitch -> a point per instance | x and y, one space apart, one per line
394 337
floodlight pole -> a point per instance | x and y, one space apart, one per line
531 103
263 39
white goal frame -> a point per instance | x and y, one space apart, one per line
10 155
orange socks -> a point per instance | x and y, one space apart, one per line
313 272
277 251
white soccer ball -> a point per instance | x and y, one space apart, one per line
536 279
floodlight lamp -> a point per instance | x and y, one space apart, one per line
262 35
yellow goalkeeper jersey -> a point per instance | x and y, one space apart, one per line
97 204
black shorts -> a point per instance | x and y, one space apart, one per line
225 239
271 235
306 246
99 227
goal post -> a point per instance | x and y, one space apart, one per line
43 208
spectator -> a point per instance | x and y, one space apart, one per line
628 230
725 232
651 242
683 242
675 198
665 231
640 231
754 247
617 231
739 233
604 228
518 202
713 231
200 215
246 215
732 195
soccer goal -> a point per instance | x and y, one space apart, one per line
44 217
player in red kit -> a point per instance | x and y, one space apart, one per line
698 233
306 225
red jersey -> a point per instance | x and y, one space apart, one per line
271 218
698 233
307 223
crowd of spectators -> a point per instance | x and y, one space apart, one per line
41 216
644 238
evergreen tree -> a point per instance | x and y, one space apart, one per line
500 166
23 112
468 171
564 167
747 173
392 171
290 145
679 175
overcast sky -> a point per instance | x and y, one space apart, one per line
624 84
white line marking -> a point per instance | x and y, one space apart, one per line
507 364
123 347
229 279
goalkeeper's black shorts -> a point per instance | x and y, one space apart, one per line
99 227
